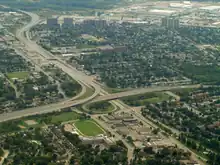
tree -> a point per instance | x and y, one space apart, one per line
1 152
148 150
129 138
156 131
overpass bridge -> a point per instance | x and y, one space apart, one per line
141 91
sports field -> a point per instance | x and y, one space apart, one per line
88 128
18 75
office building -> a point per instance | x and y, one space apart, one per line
97 23
170 23
52 22
68 21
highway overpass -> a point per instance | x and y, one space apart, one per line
141 91
58 106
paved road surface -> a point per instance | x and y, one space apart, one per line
79 76
141 91
117 136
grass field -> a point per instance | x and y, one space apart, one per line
100 107
88 127
37 121
85 46
18 75
92 38
115 90
37 124
155 100
65 116
89 92
183 92
139 100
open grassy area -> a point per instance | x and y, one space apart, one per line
18 75
92 38
38 125
65 116
89 92
37 121
24 123
139 100
85 46
100 107
184 91
49 119
115 90
155 100
88 127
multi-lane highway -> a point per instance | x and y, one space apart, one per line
32 46
69 103
141 91
84 80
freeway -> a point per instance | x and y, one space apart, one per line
83 79
33 46
70 103
74 73
43 109
141 91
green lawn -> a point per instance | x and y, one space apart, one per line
89 92
88 127
115 90
154 100
26 126
19 75
100 107
142 99
85 46
41 120
160 97
65 116
183 92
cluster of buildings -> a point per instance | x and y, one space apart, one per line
126 124
99 139
171 23
53 22
95 22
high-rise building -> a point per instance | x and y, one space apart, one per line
164 22
170 23
176 23
101 23
68 21
97 23
52 22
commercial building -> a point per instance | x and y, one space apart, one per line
52 22
97 23
170 23
67 21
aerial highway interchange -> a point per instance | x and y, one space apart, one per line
78 104
84 80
